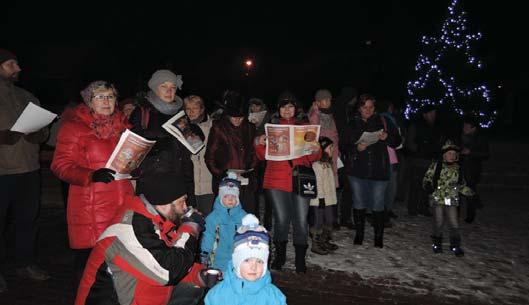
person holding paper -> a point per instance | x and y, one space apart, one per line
288 206
168 155
86 140
19 172
368 166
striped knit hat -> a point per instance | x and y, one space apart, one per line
251 241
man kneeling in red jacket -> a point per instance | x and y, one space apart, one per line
148 255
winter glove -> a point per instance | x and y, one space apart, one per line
104 175
210 277
8 137
35 137
192 223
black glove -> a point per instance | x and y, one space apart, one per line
104 175
195 218
210 277
8 137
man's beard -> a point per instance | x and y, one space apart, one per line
10 78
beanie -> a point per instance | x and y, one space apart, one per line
6 55
161 76
251 241
229 186
285 98
161 189
323 94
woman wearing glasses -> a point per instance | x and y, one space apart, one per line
85 142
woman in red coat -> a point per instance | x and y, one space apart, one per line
85 142
287 206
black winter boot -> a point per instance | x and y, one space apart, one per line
378 220
360 222
301 251
437 244
280 255
455 246
317 243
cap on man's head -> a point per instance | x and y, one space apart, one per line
323 94
6 55
162 189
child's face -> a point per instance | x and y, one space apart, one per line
252 269
450 156
229 201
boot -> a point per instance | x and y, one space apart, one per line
437 244
280 255
455 246
387 220
317 243
378 220
326 240
301 251
360 222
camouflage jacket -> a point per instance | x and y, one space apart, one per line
449 184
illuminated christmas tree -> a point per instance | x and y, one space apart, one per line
448 74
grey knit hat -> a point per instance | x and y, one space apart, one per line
162 76
6 55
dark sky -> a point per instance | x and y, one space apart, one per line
302 46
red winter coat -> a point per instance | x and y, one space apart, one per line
78 153
278 174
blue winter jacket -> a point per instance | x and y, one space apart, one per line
227 221
236 291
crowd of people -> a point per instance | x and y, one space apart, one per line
187 228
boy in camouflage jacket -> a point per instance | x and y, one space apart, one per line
444 182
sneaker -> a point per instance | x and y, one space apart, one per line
33 272
457 251
3 284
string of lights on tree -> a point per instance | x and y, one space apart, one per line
437 83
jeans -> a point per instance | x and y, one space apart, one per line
391 190
368 194
20 193
442 212
289 207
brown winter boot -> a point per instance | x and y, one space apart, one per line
317 243
326 239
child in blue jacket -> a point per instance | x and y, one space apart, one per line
247 280
221 225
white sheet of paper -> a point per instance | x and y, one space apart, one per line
339 163
369 137
32 119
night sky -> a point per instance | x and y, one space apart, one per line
371 46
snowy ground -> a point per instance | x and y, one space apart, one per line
494 270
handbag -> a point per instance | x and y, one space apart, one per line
303 181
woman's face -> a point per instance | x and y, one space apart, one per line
367 110
236 120
287 111
193 110
103 102
255 108
166 92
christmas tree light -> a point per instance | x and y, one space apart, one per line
442 81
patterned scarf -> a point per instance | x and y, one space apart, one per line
104 126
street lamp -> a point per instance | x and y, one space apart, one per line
248 64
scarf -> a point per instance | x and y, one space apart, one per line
165 108
104 126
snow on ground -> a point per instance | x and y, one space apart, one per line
495 268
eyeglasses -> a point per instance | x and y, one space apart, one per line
105 97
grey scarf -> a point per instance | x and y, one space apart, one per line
163 107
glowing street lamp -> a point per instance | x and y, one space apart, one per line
249 65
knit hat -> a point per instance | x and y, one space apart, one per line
285 98
448 146
229 186
88 92
325 142
6 55
162 189
323 94
161 76
251 241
